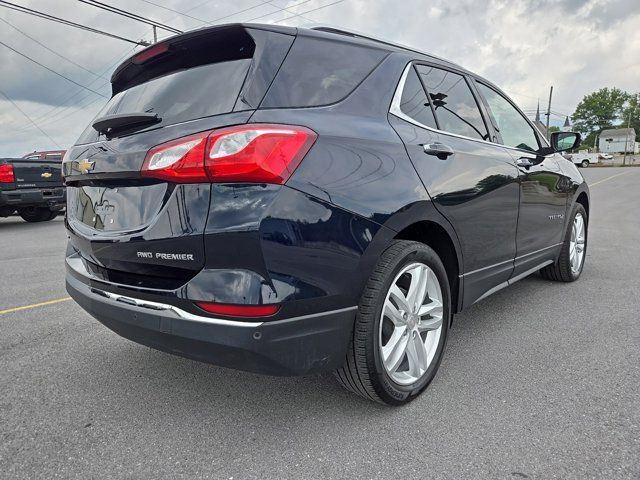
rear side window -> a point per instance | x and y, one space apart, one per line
319 72
414 102
512 126
198 92
456 108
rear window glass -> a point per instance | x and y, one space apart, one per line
414 102
456 108
190 94
318 72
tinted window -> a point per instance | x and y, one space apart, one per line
513 127
455 106
414 102
180 96
318 72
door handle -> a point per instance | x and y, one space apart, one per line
439 150
524 162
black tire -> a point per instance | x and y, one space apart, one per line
561 271
53 215
33 215
363 372
584 163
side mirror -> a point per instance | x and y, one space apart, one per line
563 141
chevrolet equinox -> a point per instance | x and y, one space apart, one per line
290 201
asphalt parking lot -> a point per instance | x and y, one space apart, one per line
541 380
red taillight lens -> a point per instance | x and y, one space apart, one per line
6 173
180 161
239 310
247 153
257 153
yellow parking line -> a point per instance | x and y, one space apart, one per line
34 305
608 178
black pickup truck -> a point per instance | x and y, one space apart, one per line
32 188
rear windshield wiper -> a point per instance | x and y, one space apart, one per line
109 124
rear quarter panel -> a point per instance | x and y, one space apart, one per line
354 191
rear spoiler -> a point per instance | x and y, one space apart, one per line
197 47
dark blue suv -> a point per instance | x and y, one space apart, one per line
292 201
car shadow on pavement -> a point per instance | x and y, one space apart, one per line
194 387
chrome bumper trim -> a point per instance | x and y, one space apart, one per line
177 312
75 262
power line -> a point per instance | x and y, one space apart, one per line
242 11
68 114
62 113
279 9
69 23
51 50
176 11
286 9
309 11
52 71
198 5
48 116
29 118
130 15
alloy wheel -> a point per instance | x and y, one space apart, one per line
411 323
576 244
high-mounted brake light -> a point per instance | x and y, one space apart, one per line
256 153
149 53
239 310
6 173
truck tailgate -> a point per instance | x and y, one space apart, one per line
37 173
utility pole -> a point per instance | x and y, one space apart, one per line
548 114
626 135
155 34
626 140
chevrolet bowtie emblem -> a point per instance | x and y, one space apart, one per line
85 166
45 175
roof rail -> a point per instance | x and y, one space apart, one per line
355 34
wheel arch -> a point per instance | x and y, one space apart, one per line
583 199
437 237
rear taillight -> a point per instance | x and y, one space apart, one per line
180 161
6 173
239 310
255 153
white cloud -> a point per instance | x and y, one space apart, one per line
524 46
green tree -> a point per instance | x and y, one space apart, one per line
632 112
599 110
589 141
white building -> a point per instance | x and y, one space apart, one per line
617 140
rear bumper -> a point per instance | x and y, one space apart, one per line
54 198
294 346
